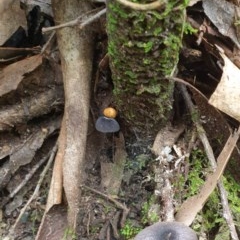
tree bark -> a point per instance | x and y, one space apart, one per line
143 49
76 49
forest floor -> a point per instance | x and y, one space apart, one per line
119 193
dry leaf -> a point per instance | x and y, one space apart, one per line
222 15
193 2
227 94
13 74
11 18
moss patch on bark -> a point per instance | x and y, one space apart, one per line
143 49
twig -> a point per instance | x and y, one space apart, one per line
143 7
77 21
47 43
179 80
26 179
35 193
92 18
200 129
118 204
99 1
167 198
209 152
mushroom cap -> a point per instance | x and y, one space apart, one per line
110 112
107 125
167 230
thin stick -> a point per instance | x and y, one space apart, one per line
26 179
41 178
118 204
77 21
93 18
143 7
48 42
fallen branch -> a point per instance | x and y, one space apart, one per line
35 193
78 21
26 179
31 107
117 203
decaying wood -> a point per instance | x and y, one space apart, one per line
164 140
76 50
25 152
31 107
36 190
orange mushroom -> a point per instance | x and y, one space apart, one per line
110 112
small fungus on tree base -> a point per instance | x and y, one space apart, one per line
107 125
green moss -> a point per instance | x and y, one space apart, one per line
149 215
210 219
233 189
188 29
69 234
143 49
146 46
129 230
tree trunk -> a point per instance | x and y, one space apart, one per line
76 49
143 49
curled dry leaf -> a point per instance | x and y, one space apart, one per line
223 15
13 74
227 94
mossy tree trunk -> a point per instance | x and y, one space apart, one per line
143 49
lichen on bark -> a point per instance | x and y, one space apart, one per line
143 49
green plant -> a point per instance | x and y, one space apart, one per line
35 219
188 29
233 189
69 233
129 230
210 219
198 170
149 213
138 163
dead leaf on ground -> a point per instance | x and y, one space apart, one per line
13 74
227 93
222 15
12 17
